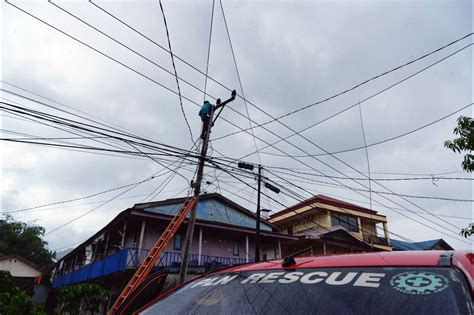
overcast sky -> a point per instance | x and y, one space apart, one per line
289 54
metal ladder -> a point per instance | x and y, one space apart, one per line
145 267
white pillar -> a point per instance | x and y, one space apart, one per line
122 244
246 248
140 241
200 247
385 232
279 249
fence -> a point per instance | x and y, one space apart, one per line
130 258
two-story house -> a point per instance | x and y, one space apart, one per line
224 234
326 226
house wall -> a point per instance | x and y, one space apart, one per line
368 228
323 206
316 220
307 221
318 248
17 268
214 242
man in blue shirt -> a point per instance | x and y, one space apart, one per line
207 109
205 114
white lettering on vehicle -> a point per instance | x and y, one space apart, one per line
368 279
332 279
271 277
253 278
363 279
226 279
310 279
291 277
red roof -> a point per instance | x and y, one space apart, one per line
402 258
325 200
464 260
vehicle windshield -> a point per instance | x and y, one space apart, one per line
389 290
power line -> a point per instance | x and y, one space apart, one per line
154 80
360 178
300 198
430 227
87 128
366 154
355 86
103 123
294 132
175 71
208 51
239 79
302 108
75 199
95 208
417 221
43 123
394 194
313 143
101 53
385 140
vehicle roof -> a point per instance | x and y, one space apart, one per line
463 260
404 258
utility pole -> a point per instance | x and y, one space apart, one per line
206 132
257 229
250 167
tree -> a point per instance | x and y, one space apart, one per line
81 298
13 300
18 238
464 143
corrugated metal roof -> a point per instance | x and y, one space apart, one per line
426 245
213 210
401 245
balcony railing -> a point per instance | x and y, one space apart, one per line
130 258
374 239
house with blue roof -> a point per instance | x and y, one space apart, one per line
437 244
224 235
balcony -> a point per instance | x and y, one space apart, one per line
376 240
130 258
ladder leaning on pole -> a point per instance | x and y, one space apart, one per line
145 267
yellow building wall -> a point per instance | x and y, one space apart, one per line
368 228
314 221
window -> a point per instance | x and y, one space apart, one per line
290 230
235 249
178 240
349 290
346 221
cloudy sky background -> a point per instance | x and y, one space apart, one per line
289 54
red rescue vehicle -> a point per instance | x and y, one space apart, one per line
424 282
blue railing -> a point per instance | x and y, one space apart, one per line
131 258
110 264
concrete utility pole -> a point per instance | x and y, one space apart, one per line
257 229
206 132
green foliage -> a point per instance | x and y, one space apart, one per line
465 142
18 238
13 300
468 231
81 298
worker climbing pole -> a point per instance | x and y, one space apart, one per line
189 206
207 116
